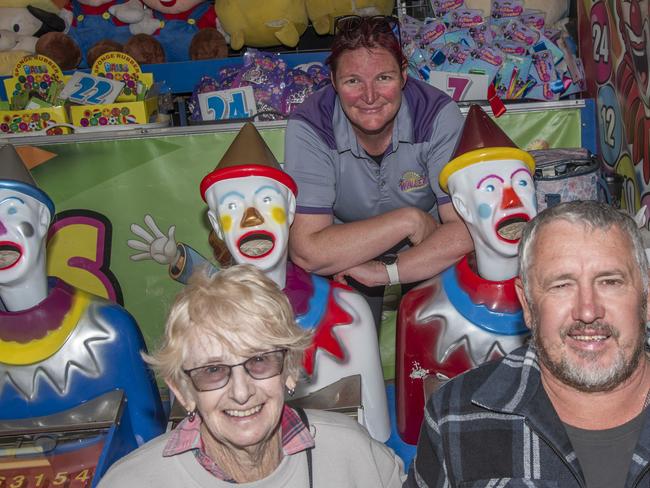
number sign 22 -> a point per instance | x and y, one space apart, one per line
91 90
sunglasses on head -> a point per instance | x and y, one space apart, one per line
349 24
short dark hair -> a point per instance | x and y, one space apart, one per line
365 32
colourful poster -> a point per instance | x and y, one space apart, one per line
615 48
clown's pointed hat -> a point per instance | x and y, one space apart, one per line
16 177
482 140
248 155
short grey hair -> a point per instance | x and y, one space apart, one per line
589 214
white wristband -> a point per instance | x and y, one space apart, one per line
393 273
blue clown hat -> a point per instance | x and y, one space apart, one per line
15 176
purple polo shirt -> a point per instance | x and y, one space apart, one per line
336 176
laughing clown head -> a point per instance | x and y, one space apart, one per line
634 25
491 186
25 215
251 202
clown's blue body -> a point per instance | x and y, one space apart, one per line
81 346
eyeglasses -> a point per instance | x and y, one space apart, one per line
349 24
259 367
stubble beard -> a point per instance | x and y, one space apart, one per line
587 375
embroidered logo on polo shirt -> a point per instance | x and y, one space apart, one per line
411 180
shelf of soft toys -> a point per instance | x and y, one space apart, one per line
44 100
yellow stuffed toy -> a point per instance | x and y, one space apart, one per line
266 23
323 13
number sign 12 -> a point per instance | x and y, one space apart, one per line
91 90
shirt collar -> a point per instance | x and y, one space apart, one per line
296 437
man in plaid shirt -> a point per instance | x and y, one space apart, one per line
570 409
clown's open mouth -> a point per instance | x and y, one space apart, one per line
638 46
168 3
9 254
509 229
256 244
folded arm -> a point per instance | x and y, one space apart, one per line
320 246
446 245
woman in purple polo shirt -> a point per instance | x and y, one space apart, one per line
366 153
230 351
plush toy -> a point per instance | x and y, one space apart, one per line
53 6
20 28
61 49
145 49
208 44
555 10
262 24
323 13
178 25
92 21
102 47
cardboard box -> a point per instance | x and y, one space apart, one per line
36 121
124 113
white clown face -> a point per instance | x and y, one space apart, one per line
496 199
23 226
252 216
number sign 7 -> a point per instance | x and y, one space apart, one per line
458 86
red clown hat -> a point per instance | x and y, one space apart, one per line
248 155
482 140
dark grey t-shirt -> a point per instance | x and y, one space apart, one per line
605 455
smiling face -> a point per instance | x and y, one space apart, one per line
252 216
23 226
369 85
171 6
496 199
585 305
243 414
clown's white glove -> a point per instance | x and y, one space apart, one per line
154 244
128 12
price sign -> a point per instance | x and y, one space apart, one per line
460 86
72 467
235 103
91 90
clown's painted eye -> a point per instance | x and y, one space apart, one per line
232 206
267 199
12 210
523 183
489 188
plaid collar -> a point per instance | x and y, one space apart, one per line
187 437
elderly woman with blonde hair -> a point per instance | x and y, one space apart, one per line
231 349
